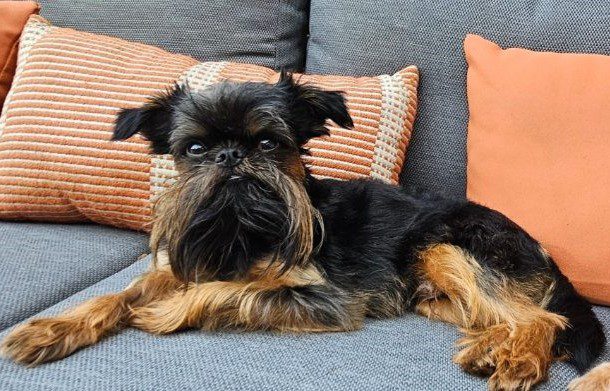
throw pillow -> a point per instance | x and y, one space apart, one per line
13 16
539 152
56 160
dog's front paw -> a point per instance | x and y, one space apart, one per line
41 340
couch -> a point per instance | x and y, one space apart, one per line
48 267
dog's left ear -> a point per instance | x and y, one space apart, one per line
153 120
312 106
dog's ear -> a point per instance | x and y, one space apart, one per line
153 120
312 106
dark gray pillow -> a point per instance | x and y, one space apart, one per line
371 37
264 32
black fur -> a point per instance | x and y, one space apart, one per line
311 107
305 110
372 232
403 222
584 340
154 120
224 240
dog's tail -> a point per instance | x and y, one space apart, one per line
583 340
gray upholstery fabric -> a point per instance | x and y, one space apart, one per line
43 264
410 353
270 33
372 37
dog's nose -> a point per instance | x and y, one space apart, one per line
229 157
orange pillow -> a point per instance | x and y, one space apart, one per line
539 152
13 16
56 163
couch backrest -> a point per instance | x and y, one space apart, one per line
371 37
269 33
361 37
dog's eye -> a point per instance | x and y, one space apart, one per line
267 144
195 149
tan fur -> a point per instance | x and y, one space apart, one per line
294 167
48 339
440 309
523 359
175 207
302 215
243 304
271 273
479 349
488 307
597 379
454 273
229 303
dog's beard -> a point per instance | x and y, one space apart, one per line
215 224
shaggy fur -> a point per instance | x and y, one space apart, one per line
596 379
248 239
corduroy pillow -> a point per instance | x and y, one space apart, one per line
56 163
539 151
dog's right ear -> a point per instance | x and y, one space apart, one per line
153 120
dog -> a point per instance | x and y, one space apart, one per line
597 379
247 239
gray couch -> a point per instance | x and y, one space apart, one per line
49 267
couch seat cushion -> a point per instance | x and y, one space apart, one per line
409 353
43 264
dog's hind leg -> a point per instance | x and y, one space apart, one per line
47 339
441 309
508 335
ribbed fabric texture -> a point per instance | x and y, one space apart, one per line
56 163
43 264
408 353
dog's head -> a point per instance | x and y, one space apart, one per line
241 194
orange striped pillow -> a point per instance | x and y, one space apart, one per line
56 163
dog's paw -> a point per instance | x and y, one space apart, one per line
41 340
517 372
516 376
478 354
596 379
476 362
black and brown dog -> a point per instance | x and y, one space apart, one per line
248 239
